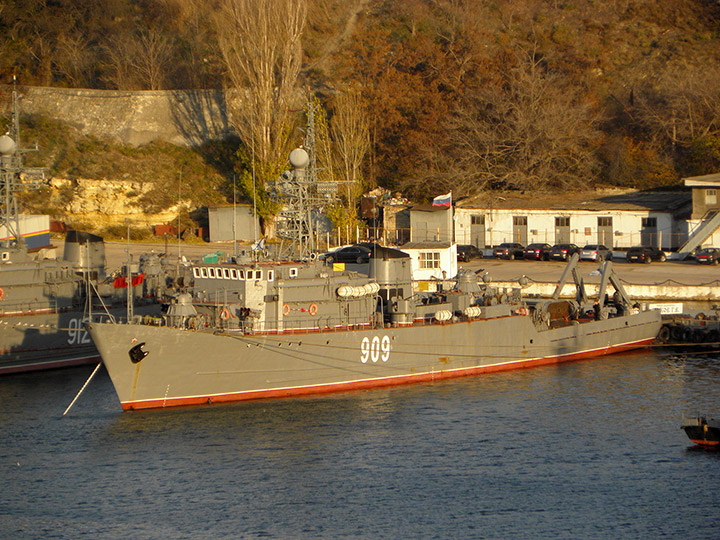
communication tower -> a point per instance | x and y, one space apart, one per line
301 196
14 177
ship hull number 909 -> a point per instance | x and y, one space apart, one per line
375 349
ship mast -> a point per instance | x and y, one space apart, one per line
302 196
14 177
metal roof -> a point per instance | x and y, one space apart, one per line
658 201
700 181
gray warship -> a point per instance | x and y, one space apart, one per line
281 329
45 300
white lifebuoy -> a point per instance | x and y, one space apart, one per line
312 309
286 310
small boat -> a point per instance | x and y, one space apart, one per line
703 431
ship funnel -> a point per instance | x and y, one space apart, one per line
86 252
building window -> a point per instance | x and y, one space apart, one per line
604 222
710 196
477 219
562 221
649 223
429 259
520 221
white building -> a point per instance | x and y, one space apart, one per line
617 219
432 260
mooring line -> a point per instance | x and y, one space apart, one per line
83 388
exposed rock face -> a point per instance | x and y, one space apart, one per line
104 203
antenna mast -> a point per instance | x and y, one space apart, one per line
14 177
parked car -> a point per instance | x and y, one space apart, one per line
467 252
708 255
645 254
349 254
509 250
596 252
562 252
538 252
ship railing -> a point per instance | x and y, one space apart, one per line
302 325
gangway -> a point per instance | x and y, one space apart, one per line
709 223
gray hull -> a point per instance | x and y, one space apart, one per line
188 367
49 340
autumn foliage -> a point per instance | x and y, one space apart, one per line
462 95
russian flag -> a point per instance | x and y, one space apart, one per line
443 200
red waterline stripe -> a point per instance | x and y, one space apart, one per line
37 366
703 442
375 383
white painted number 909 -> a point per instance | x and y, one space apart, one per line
375 349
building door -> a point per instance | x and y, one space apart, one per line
648 232
562 230
605 231
520 230
477 230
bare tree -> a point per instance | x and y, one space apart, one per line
117 65
680 104
155 54
351 134
260 42
531 130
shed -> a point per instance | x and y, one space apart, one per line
431 224
432 260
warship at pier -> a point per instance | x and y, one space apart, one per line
45 299
281 329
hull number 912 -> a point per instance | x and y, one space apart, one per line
77 335
375 349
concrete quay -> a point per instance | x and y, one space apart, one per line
670 281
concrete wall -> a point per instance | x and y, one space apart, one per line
182 117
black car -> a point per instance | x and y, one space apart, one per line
538 252
509 250
708 255
562 252
645 254
349 254
467 252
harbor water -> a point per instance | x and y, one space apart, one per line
589 450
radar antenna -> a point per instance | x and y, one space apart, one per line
301 196
14 177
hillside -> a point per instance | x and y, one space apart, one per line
463 96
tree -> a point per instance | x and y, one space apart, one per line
261 46
351 135
528 130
